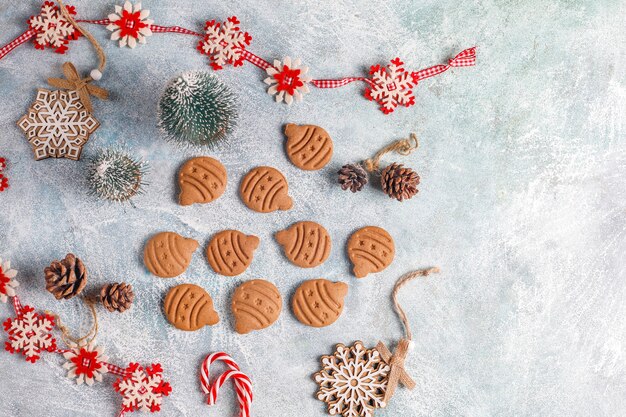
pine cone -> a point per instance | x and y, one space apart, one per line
399 182
67 278
353 177
117 296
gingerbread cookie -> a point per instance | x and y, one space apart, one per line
168 254
309 147
201 180
230 252
256 305
189 307
306 244
319 302
370 249
265 189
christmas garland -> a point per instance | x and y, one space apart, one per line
225 43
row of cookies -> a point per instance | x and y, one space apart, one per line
306 244
256 305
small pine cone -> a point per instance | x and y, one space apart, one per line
353 177
399 182
67 278
117 296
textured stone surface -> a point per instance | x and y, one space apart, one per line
521 204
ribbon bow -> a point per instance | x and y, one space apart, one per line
73 81
466 58
397 373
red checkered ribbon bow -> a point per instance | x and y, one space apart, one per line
466 58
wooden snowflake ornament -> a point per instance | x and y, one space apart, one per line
352 381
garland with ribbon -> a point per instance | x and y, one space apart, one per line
225 43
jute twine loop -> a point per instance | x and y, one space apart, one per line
402 147
66 335
72 80
397 373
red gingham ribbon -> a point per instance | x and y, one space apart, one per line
115 370
255 60
23 38
466 58
338 83
17 306
243 385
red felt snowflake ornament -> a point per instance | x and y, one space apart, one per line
224 43
391 86
142 389
30 333
3 164
4 183
52 29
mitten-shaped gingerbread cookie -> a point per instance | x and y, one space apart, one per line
309 147
319 302
230 252
168 254
306 244
371 249
256 305
201 180
189 307
265 189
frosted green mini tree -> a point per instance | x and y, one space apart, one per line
197 110
114 175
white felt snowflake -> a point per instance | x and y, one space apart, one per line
224 43
7 281
130 24
391 86
52 29
85 363
29 334
142 389
57 124
352 381
287 80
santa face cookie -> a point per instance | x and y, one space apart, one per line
308 147
256 305
168 254
319 302
370 249
306 244
265 189
201 180
230 252
189 307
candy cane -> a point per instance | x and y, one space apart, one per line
243 385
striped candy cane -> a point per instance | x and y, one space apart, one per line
243 385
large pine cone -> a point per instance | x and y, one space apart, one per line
117 296
67 278
399 182
353 177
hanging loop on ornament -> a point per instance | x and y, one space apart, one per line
403 147
66 335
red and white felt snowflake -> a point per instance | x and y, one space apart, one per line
287 80
142 389
85 363
130 24
7 275
4 183
29 334
392 86
224 43
3 164
52 29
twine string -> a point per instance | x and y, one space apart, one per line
402 147
66 334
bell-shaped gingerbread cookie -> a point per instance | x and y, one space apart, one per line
256 305
168 254
319 302
230 252
265 189
370 249
189 307
309 147
201 180
306 244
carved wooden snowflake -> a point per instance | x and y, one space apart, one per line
142 389
29 334
224 43
352 381
392 86
58 125
85 363
52 29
